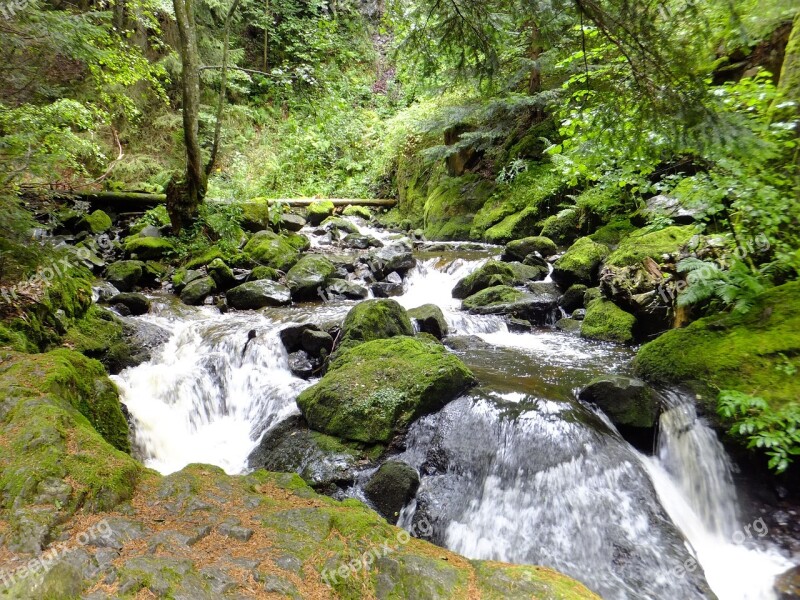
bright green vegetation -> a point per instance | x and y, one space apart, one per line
642 244
497 296
606 322
269 249
580 263
379 387
374 320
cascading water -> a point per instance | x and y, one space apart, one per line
518 471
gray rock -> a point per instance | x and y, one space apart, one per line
343 289
316 342
626 401
234 530
137 304
118 532
392 487
668 206
429 318
360 242
395 257
258 294
292 336
125 274
573 298
292 222
196 292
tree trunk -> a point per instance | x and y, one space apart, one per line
267 19
184 196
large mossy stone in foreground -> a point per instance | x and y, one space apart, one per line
606 322
272 250
309 276
374 320
733 351
378 388
627 401
580 263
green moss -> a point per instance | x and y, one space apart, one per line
125 274
412 190
612 233
265 273
519 225
373 320
256 215
520 249
273 250
319 211
149 248
358 211
580 262
563 227
98 222
642 244
738 352
99 335
310 274
605 321
204 257
536 190
377 388
600 204
493 273
451 206
493 296
497 581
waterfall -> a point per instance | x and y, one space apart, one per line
692 476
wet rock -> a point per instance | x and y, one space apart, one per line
340 225
148 248
573 298
429 319
787 586
279 252
342 289
258 294
315 343
184 277
360 242
518 325
579 314
537 306
140 339
319 211
104 291
392 487
309 276
492 274
569 325
377 388
137 304
300 365
391 286
292 222
670 207
125 274
395 257
292 336
221 273
524 273
605 321
636 289
626 401
580 263
324 462
518 250
373 320
196 292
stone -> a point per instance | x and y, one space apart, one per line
125 274
395 257
429 319
300 365
319 211
787 585
491 274
360 241
148 248
518 250
569 325
347 290
258 294
309 277
221 273
234 530
339 224
292 222
137 304
292 336
605 321
316 342
373 320
669 207
269 249
392 487
573 298
196 292
626 401
580 263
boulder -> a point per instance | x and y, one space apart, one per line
669 207
529 270
316 343
137 304
429 319
319 211
301 365
269 249
657 245
391 286
97 222
373 320
491 274
292 336
518 250
221 273
339 224
569 326
395 257
378 388
358 211
148 248
607 322
392 486
309 276
536 306
264 273
292 222
125 274
258 294
196 292
580 263
359 241
347 290
572 299
627 401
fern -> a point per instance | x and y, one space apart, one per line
735 289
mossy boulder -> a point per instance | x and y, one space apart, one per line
258 294
136 304
627 401
612 233
521 224
530 270
497 299
255 215
374 320
572 299
642 244
518 250
429 319
309 277
377 388
580 263
392 487
264 273
563 228
319 211
493 273
221 273
338 224
97 222
196 292
269 249
125 274
741 352
605 321
451 206
358 211
148 248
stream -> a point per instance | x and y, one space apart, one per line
517 470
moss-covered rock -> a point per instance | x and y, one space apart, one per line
125 274
309 277
255 215
733 351
600 204
136 304
491 274
358 211
497 297
196 292
264 273
340 225
627 401
258 294
573 297
319 211
642 244
272 250
563 228
451 206
148 248
518 250
521 224
580 263
614 232
221 273
429 319
391 487
377 388
374 320
606 322
97 222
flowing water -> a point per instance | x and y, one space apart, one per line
517 470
